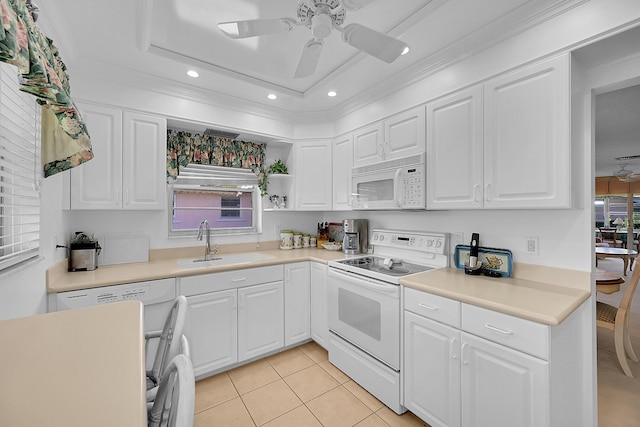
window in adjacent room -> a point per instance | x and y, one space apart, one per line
228 198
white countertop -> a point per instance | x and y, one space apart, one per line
80 367
538 301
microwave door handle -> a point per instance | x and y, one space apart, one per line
398 186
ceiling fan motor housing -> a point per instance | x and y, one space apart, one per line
331 8
321 26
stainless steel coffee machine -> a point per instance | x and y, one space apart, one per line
356 232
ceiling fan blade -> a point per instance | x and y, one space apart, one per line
309 59
374 43
256 27
355 4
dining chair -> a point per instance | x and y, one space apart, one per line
170 341
617 320
610 236
175 403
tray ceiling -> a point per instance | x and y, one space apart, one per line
164 39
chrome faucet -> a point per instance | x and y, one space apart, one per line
206 229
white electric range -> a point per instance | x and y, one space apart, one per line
364 307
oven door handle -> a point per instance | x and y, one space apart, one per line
367 283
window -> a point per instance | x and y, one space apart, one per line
20 171
228 198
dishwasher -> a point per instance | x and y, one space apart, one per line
156 296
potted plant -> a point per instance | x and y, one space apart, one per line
278 167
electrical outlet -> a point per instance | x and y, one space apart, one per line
532 245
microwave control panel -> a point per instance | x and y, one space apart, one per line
413 191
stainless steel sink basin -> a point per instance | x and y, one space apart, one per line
243 258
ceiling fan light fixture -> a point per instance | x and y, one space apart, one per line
321 25
374 43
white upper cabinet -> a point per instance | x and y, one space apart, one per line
128 170
454 151
504 144
144 161
404 134
97 184
400 135
342 165
527 139
368 145
313 176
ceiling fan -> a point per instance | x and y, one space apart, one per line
626 175
321 16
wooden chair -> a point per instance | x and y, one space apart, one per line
617 320
610 236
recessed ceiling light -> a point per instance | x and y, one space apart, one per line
405 50
192 73
332 93
272 96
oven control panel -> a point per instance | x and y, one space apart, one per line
435 243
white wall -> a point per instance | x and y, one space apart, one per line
22 291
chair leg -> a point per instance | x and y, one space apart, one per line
618 334
627 343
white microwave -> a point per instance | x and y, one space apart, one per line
391 185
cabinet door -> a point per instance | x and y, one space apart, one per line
211 329
97 184
527 141
297 301
454 151
431 370
342 165
313 176
368 144
502 387
260 320
319 322
405 134
144 162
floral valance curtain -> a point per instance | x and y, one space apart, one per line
65 141
186 147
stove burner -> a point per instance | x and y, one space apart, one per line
359 262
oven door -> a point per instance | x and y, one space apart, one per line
365 312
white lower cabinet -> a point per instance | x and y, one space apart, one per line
260 320
297 301
319 320
501 386
213 348
233 316
432 370
469 366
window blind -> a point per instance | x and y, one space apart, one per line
20 171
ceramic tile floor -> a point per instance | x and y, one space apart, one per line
298 387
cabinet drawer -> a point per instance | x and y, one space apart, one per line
441 309
195 285
520 334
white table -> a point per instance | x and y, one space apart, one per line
80 367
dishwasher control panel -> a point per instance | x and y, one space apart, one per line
153 292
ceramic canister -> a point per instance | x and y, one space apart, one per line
297 240
286 239
305 240
312 241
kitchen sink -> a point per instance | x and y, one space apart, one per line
243 258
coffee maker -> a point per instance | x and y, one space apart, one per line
356 238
